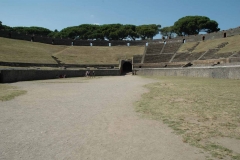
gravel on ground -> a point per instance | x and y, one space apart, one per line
86 119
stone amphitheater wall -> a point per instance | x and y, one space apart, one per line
68 42
221 72
8 76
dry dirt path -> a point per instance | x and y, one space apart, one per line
92 119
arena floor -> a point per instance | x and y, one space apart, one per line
81 118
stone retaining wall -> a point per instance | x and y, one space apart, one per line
67 41
8 76
223 72
19 64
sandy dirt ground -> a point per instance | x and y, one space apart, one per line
92 119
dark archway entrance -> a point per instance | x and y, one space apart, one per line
1 77
224 35
126 67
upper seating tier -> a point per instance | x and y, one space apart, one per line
154 48
171 47
137 58
158 58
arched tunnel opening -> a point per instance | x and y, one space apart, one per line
126 67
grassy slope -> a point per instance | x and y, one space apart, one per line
196 108
98 55
24 51
233 46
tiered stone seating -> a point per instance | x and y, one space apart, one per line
186 57
137 58
192 48
171 47
212 54
157 58
236 54
154 48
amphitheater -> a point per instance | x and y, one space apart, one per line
94 118
213 55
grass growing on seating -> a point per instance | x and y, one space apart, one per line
25 51
233 44
196 108
8 92
98 55
186 46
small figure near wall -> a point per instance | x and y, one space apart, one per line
86 74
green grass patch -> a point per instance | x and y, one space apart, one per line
196 108
8 92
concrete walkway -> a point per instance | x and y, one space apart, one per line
77 119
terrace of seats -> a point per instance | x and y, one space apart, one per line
157 58
154 48
171 47
208 52
212 54
161 52
236 55
186 57
137 58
